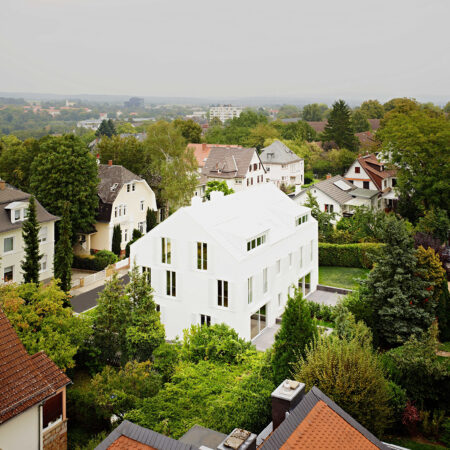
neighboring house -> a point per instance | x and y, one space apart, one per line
283 166
238 167
337 195
369 172
123 200
32 396
233 259
299 421
319 126
224 112
201 152
13 210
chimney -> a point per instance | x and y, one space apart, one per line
204 147
238 439
110 162
215 195
2 185
328 176
284 399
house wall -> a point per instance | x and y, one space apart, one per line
16 257
21 432
290 174
102 240
322 199
251 177
359 178
197 289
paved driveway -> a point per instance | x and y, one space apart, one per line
324 297
88 300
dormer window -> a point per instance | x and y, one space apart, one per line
256 241
301 219
18 211
17 215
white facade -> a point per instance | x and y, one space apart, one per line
359 177
225 112
288 174
232 260
326 203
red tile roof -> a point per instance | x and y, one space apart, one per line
25 380
375 169
323 428
125 443
201 151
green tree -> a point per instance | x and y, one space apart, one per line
351 374
125 128
372 109
403 105
63 252
259 134
417 143
39 317
106 128
431 271
190 130
116 240
446 108
298 131
435 223
314 112
360 122
288 111
221 186
150 219
396 292
324 218
65 171
30 234
339 128
340 159
215 122
297 331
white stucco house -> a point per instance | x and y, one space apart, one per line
123 200
339 196
240 168
13 207
283 166
231 260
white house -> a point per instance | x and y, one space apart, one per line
240 168
224 112
233 259
123 200
13 207
283 166
337 195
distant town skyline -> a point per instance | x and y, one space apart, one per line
222 51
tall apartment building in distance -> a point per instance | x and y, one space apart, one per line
134 102
224 112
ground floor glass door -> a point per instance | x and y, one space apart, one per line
258 321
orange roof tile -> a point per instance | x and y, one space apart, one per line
201 151
323 428
125 443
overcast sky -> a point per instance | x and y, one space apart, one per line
210 48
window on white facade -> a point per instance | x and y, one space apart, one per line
312 249
222 293
124 210
125 235
171 283
256 242
202 256
290 259
250 289
147 271
8 244
128 187
238 181
16 215
8 274
329 208
166 253
301 219
265 281
116 211
141 227
43 234
205 320
141 205
43 263
279 299
279 266
133 186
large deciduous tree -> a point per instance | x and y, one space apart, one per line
190 130
339 128
314 112
360 122
372 109
30 235
65 171
63 259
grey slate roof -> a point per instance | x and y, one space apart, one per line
113 174
228 162
364 193
144 436
329 188
11 194
278 153
289 425
199 436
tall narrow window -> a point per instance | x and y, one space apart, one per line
147 271
250 289
265 280
222 293
171 282
202 256
8 244
166 254
279 266
301 257
205 320
43 234
141 205
279 299
312 249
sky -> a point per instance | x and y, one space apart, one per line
234 48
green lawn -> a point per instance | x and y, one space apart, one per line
342 277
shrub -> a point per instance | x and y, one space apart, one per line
321 311
309 178
397 403
360 306
445 435
432 422
411 417
97 262
349 255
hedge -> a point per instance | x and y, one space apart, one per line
95 262
349 255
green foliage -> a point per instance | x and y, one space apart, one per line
190 130
431 271
30 236
445 436
297 330
358 303
321 311
116 240
221 186
314 112
96 262
398 294
125 128
398 399
443 312
288 111
432 422
136 235
435 223
63 258
360 122
65 171
339 128
150 219
323 218
296 131
372 109
260 134
217 343
416 368
349 255
340 160
39 317
165 359
106 128
401 105
350 373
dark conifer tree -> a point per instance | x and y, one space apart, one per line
150 219
63 251
116 240
30 234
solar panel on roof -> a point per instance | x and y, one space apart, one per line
342 185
